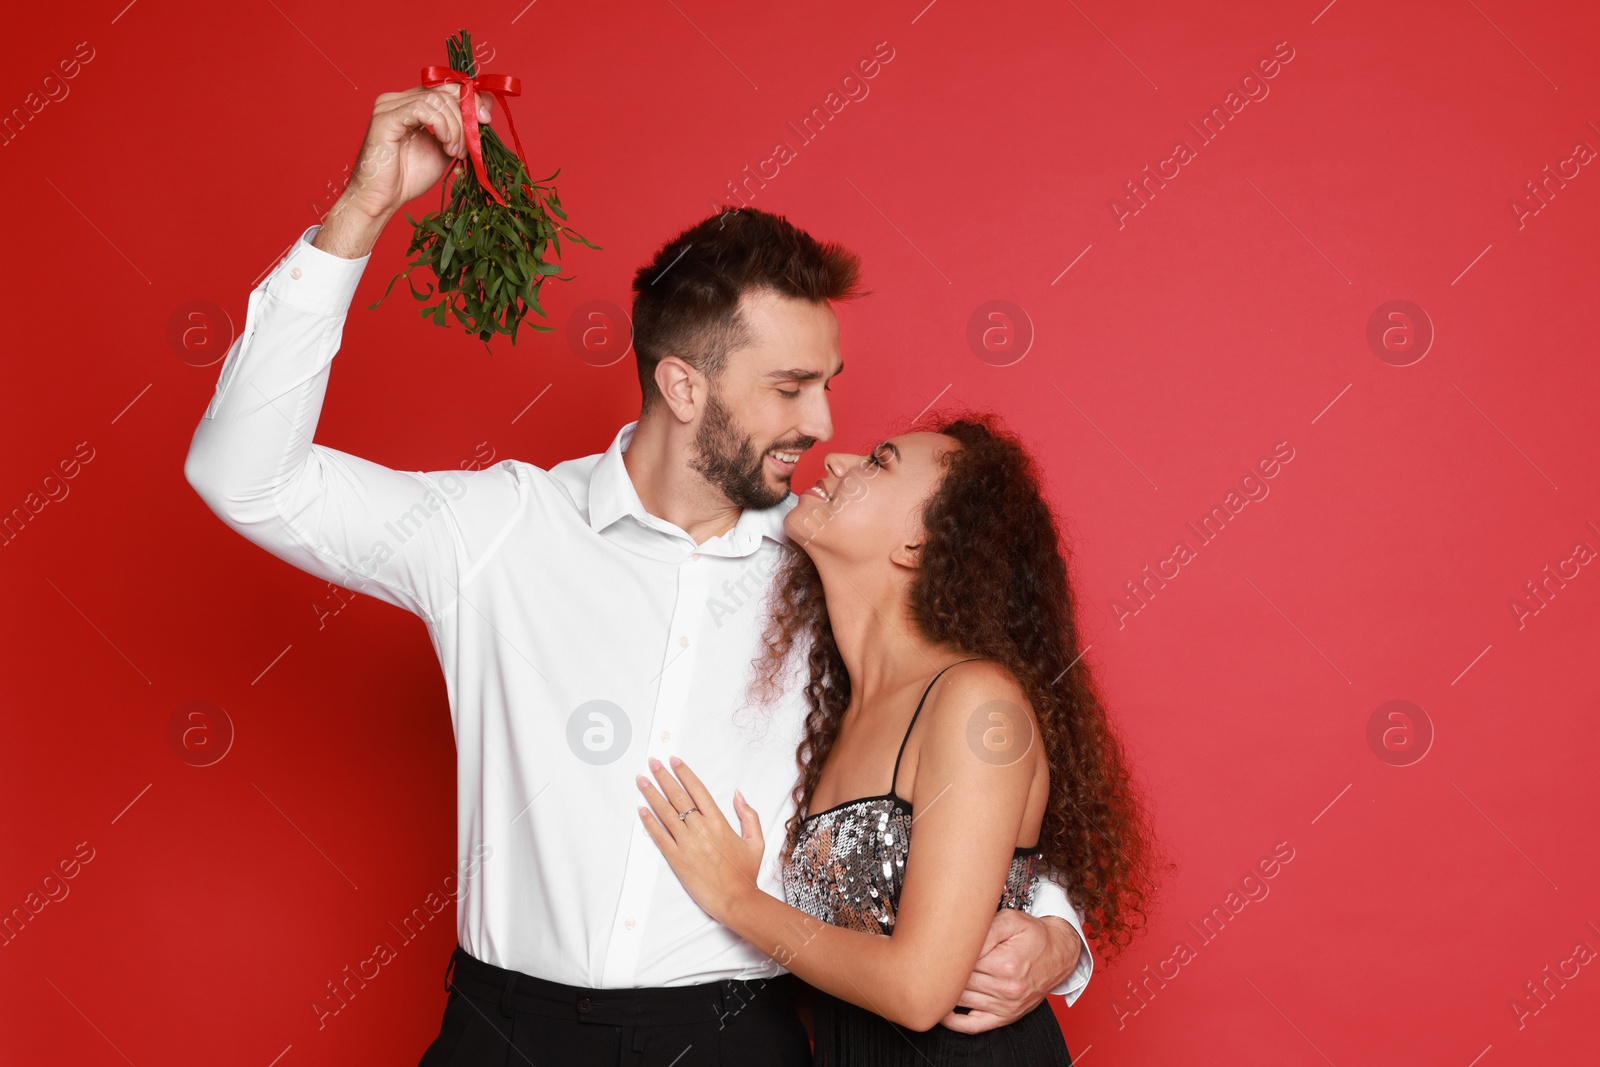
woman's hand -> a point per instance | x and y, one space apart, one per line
716 865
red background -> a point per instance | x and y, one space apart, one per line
1228 315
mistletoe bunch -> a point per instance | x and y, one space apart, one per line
486 246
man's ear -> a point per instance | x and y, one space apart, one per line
680 387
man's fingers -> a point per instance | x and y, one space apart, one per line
997 933
990 1008
974 1023
446 104
431 111
981 999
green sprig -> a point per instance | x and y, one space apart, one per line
488 259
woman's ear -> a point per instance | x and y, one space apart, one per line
907 555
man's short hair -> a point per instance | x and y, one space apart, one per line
686 299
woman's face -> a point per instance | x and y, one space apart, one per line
868 508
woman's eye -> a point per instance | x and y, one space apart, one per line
874 461
790 393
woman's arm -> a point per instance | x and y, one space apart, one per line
975 765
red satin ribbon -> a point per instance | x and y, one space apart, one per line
499 86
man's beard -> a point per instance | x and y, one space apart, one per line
730 462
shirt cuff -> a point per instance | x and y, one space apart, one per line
316 281
1050 899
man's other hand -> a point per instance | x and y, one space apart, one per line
1023 958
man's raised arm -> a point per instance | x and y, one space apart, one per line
398 536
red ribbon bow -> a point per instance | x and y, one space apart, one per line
499 86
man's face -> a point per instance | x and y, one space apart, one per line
771 398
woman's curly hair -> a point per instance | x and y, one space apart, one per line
994 582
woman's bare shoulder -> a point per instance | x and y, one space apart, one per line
983 702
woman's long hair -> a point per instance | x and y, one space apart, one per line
993 581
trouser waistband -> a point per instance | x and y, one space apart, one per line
652 1006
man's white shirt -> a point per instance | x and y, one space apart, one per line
579 635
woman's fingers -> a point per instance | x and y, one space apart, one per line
661 806
657 832
749 820
697 790
680 799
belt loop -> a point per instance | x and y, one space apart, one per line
450 968
505 998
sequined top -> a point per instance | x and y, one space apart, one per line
849 861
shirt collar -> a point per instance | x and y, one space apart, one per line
612 496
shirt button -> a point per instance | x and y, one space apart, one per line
683 642
694 555
295 272
629 923
666 735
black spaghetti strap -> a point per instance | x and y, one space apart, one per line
894 775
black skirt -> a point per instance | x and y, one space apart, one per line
849 1036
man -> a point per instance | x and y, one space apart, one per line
587 618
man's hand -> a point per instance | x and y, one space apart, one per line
1023 958
413 138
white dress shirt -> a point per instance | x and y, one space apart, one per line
579 635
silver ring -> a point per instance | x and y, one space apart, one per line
685 814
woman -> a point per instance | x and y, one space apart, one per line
931 567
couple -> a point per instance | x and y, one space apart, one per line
596 618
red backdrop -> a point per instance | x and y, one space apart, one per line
1426 534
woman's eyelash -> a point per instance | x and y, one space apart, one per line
874 460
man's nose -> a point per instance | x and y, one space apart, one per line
819 420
